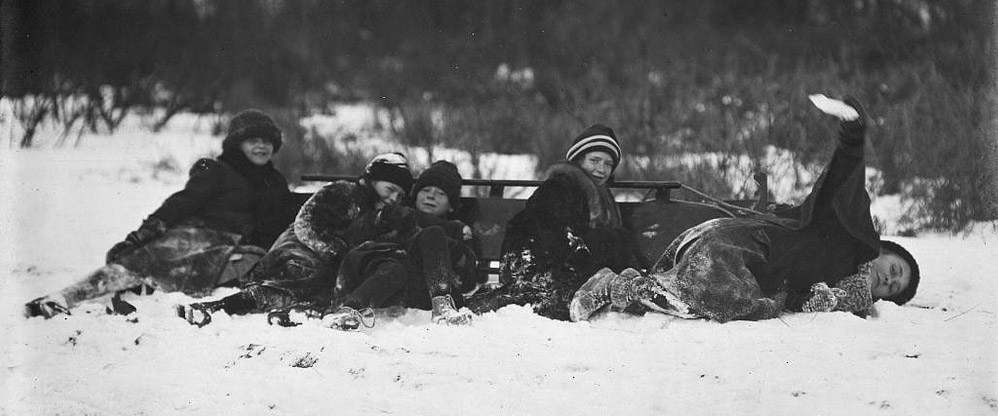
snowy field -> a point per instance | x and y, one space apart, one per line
62 208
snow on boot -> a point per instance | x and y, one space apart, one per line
46 306
444 312
349 319
605 288
592 295
631 287
194 314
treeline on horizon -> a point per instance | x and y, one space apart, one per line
523 76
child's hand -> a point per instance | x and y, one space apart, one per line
457 230
822 299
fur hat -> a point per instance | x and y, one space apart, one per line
249 124
908 292
596 137
443 175
391 167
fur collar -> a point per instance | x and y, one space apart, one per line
603 209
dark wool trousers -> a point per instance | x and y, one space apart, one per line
411 280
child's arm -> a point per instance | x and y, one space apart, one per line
324 219
201 187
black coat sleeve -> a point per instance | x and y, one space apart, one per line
558 203
276 209
844 175
839 199
202 185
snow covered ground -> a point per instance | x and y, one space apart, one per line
62 208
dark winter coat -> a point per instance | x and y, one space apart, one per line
753 268
570 228
223 204
300 269
232 195
833 229
336 218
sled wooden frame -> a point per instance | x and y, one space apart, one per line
498 186
654 222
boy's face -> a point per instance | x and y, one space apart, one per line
890 275
432 200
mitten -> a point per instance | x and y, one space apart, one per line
150 229
822 298
119 250
457 230
855 293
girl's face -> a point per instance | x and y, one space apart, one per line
432 200
388 193
598 164
257 150
890 275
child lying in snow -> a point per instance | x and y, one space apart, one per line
822 256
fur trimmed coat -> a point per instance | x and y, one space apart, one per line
570 228
336 218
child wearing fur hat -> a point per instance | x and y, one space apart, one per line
570 228
301 266
230 206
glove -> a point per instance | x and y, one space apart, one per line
457 230
822 298
118 251
151 228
